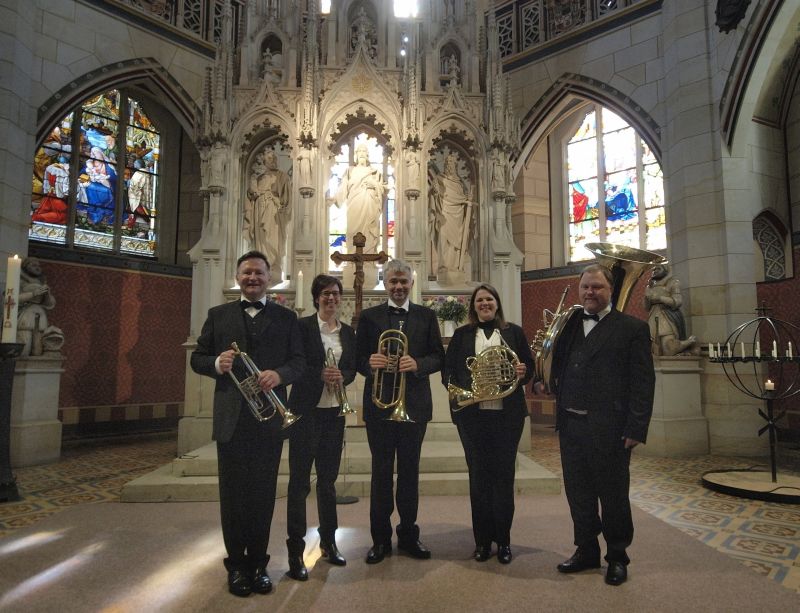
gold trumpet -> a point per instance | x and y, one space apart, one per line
393 343
494 376
337 388
252 393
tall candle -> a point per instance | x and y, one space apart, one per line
774 349
710 350
11 300
415 290
743 354
789 350
758 349
719 351
299 297
728 350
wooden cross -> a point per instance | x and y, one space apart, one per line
358 258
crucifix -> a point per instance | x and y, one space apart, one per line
9 304
358 258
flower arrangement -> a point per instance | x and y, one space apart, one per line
449 308
277 298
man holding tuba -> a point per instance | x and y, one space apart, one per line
248 449
318 437
401 370
604 385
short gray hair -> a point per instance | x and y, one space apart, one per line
396 265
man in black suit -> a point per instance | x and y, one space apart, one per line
248 450
318 438
387 438
604 384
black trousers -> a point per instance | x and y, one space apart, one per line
492 439
248 476
597 472
315 439
387 440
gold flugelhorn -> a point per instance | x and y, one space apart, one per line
337 388
394 344
494 376
252 392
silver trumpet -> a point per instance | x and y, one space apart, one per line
337 388
259 401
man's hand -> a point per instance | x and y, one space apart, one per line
226 360
630 443
521 369
378 360
408 364
268 379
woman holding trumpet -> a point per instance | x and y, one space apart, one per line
317 438
490 425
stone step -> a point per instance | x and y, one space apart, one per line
162 485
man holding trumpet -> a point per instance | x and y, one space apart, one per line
401 369
248 448
317 438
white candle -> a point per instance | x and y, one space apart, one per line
719 351
758 349
728 350
743 354
769 386
415 290
299 297
774 349
11 300
789 350
710 350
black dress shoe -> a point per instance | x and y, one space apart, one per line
331 553
378 552
504 554
261 581
617 573
415 549
482 553
297 570
578 562
239 583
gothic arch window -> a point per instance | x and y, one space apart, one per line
770 241
614 186
96 178
339 237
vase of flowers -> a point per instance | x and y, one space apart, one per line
450 310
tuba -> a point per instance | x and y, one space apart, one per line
259 405
627 265
494 376
394 344
337 388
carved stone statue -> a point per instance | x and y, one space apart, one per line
667 326
35 299
266 211
304 174
362 189
451 205
412 168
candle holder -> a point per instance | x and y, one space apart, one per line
784 376
9 352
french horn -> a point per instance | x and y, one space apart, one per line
494 376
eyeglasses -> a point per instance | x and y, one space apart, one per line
330 294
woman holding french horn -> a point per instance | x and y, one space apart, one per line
320 398
488 361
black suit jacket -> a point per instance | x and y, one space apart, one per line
619 391
455 370
424 345
226 324
308 390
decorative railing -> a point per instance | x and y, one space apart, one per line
526 24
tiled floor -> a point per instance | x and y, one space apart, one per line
764 536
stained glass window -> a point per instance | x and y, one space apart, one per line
105 197
619 165
339 236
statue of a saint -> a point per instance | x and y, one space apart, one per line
362 190
304 167
35 299
412 169
451 205
667 326
266 211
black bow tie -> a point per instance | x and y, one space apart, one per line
397 311
594 316
258 305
